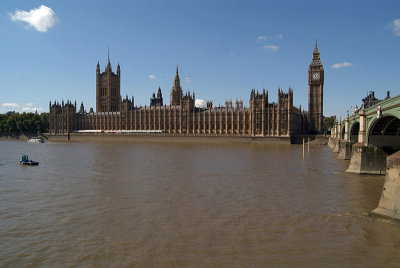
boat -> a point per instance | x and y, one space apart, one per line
26 161
35 140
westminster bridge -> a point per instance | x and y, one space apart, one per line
378 125
370 139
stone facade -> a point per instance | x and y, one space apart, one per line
261 118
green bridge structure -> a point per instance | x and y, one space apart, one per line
370 139
370 129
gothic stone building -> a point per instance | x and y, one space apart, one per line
261 118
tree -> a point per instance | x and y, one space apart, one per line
15 123
44 122
12 124
329 122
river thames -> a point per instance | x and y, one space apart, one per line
188 205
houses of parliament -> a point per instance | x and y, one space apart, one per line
261 118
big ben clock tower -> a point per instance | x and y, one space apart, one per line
316 92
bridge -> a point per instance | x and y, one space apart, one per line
370 139
378 125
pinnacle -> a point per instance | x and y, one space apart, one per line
316 47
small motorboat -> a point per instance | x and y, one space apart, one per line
26 161
35 140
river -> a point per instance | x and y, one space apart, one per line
188 205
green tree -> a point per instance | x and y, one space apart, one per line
44 122
329 122
24 123
12 124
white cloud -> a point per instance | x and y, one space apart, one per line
31 109
270 38
271 48
29 104
395 25
342 65
152 76
41 18
200 103
188 79
10 105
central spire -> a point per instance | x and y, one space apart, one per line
316 51
177 80
108 54
176 93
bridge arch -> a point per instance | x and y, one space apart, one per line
384 132
354 128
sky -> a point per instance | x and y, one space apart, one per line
224 48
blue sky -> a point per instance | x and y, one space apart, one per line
223 49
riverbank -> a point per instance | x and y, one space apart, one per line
22 137
171 138
167 138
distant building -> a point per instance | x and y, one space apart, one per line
261 118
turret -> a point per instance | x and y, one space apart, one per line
159 95
82 109
177 81
98 68
108 64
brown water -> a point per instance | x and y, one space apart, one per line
160 205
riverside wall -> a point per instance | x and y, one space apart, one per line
167 138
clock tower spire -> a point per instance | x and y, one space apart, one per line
315 92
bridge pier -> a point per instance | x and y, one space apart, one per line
334 139
330 142
345 144
336 144
345 150
389 204
367 160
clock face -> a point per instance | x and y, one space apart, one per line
315 76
